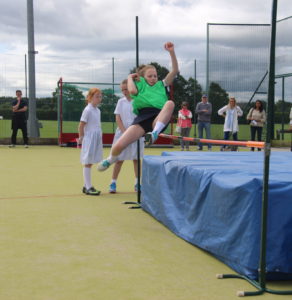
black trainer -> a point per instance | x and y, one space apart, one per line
92 191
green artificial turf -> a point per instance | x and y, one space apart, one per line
58 244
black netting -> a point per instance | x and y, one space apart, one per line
238 59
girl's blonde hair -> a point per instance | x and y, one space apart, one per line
91 92
233 98
143 68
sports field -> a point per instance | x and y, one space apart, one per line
58 244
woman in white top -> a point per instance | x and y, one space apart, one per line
90 136
257 118
230 112
124 118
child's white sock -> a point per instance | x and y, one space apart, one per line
112 159
114 181
159 126
87 177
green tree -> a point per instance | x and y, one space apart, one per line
70 92
46 103
192 94
218 97
186 90
5 107
108 104
282 111
73 102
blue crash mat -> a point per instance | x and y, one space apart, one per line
213 200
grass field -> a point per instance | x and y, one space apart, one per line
50 129
58 244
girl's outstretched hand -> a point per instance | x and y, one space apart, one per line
169 46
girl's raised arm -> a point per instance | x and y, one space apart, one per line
131 84
171 75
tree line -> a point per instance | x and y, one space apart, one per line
182 90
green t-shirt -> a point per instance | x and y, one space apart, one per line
149 95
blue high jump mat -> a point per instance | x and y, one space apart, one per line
213 200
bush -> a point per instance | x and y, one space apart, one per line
6 113
278 117
46 114
41 114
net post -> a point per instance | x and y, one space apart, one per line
138 141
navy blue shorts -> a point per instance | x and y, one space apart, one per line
145 118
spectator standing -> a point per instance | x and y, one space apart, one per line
204 112
19 108
185 123
257 118
230 112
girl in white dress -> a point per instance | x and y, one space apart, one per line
124 119
90 136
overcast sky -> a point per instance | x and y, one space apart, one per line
77 39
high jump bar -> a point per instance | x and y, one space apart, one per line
250 144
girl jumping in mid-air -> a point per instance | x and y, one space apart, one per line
151 105
90 136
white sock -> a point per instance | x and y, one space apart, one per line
87 177
112 159
114 180
136 180
159 126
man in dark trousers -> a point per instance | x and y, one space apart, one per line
204 111
19 108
